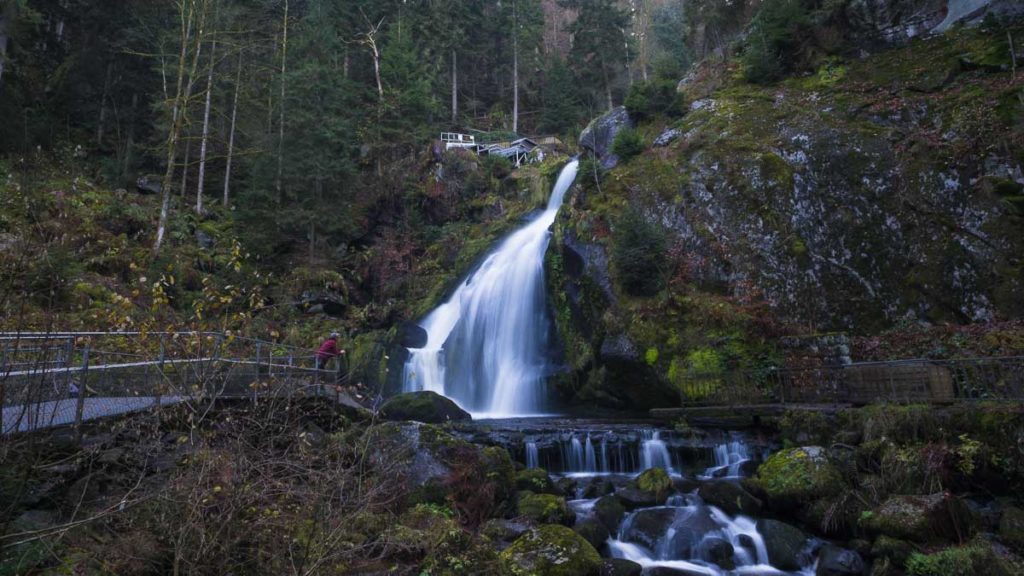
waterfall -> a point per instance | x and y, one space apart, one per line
729 458
532 456
487 345
654 453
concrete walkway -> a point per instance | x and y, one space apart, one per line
30 417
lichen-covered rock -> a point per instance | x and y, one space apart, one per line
784 543
600 133
610 512
545 508
593 531
836 561
424 406
798 476
535 480
937 517
551 550
656 481
730 497
667 137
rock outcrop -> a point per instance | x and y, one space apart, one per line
599 135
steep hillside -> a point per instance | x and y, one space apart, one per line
870 194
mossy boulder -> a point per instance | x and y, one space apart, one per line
893 549
551 550
426 406
976 558
545 508
593 531
784 543
535 480
934 518
730 497
1011 528
655 480
610 512
797 476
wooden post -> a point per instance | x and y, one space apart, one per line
82 386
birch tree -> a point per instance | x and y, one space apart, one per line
191 16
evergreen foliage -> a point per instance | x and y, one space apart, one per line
638 254
656 97
627 144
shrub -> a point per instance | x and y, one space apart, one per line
627 144
776 40
649 99
638 254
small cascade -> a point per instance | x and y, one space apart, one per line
532 456
654 453
700 539
729 459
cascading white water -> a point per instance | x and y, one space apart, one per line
729 457
654 453
486 346
532 455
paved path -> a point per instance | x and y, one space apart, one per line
62 412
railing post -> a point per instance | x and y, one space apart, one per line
82 387
160 372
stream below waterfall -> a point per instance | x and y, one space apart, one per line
682 536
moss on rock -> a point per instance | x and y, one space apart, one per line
798 475
545 508
535 480
551 550
656 481
425 406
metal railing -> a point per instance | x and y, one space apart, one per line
904 381
54 379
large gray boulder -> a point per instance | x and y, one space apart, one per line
836 561
601 132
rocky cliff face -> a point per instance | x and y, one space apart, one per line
872 192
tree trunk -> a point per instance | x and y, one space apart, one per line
103 105
607 86
187 15
455 90
206 131
231 134
6 22
515 69
280 127
184 166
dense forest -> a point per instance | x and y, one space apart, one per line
751 302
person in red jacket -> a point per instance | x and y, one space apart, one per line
329 349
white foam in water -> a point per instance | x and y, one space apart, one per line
487 345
